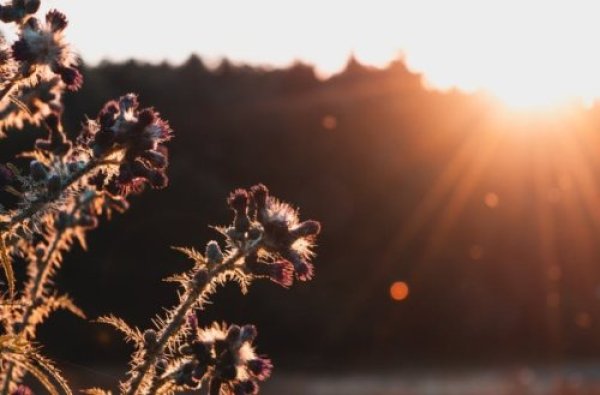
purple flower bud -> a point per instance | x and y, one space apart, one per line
238 200
147 117
32 6
233 335
260 194
21 50
8 14
248 333
158 179
156 159
306 229
107 114
213 253
71 77
304 270
33 24
128 102
56 20
282 273
260 367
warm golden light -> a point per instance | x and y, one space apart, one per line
528 53
399 291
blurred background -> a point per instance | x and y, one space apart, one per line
460 251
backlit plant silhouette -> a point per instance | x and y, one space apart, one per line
71 183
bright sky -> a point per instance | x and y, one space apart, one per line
524 51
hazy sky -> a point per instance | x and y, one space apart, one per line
521 50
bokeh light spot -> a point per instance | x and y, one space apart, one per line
491 200
399 291
329 122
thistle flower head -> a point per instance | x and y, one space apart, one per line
225 357
138 136
17 10
284 236
42 49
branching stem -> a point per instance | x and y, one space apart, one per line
192 299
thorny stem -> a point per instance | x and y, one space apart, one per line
8 88
43 274
191 299
41 202
39 282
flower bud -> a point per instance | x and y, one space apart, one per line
213 253
248 333
260 193
150 338
306 229
233 335
260 367
32 6
57 20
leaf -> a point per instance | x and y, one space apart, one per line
50 304
7 266
13 344
192 254
131 334
18 350
49 367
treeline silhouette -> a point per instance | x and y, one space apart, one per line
397 173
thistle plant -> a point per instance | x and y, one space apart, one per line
71 184
266 240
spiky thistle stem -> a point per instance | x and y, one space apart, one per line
38 283
192 299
